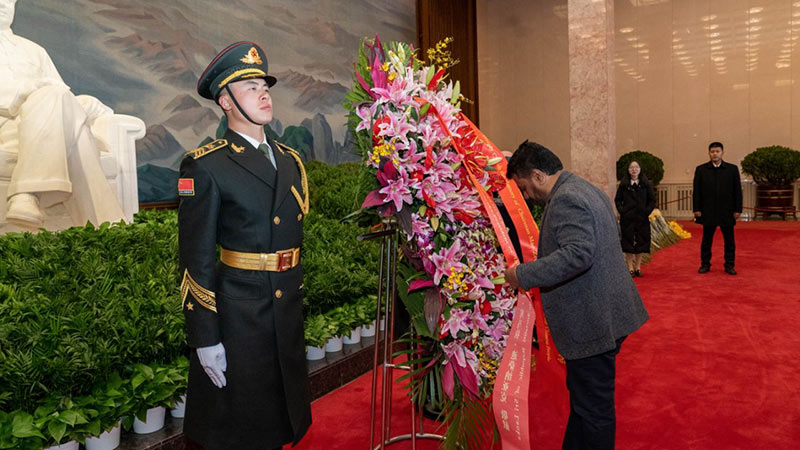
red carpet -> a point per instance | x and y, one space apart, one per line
716 367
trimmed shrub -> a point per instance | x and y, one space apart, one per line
772 166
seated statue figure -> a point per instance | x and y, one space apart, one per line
57 157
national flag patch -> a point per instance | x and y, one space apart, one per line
186 186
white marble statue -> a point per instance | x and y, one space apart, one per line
58 159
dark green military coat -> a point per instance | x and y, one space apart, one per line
231 196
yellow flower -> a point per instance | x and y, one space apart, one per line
683 234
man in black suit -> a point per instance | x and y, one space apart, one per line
248 381
717 202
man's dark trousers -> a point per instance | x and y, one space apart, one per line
708 239
592 417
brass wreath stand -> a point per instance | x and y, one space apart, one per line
387 298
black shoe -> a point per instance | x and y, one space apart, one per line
637 273
633 273
703 269
730 271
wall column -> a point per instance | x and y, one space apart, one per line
591 86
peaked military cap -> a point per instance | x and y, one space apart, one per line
238 61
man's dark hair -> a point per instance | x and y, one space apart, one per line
529 156
716 144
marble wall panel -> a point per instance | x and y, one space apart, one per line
626 76
770 78
653 51
591 73
730 56
523 73
690 91
794 41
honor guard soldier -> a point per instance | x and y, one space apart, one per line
248 381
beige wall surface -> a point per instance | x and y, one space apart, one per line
687 72
523 73
694 71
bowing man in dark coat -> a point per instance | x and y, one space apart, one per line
248 381
717 202
590 301
635 201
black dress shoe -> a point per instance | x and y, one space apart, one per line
730 271
637 273
703 269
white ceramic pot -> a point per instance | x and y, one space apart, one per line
354 337
71 445
368 330
315 353
334 344
180 408
153 422
108 440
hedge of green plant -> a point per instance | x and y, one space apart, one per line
62 418
80 305
338 268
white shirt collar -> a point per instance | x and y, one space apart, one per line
252 141
716 164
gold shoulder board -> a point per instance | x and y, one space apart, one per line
206 149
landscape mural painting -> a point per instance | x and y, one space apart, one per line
143 58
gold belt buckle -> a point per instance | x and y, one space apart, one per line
286 260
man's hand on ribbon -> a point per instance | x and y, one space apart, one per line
511 276
214 363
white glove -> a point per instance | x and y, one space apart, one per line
214 363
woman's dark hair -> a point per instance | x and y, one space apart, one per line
626 179
529 156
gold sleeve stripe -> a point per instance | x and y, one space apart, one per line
206 298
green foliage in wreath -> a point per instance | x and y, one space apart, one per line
772 166
652 166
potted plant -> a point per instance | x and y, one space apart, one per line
335 331
352 323
18 430
365 312
180 376
153 390
773 169
60 421
317 334
652 166
108 402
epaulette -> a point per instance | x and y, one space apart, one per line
206 149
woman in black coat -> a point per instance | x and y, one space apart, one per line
635 201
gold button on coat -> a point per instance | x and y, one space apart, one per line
276 220
299 217
278 294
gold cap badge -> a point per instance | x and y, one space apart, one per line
252 57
